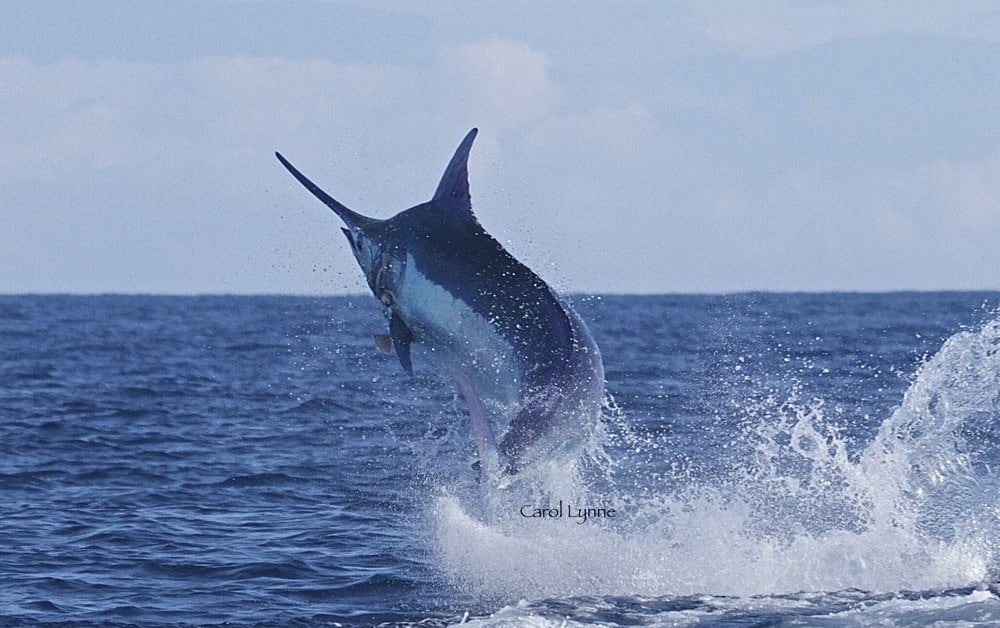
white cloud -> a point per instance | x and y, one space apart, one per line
250 96
950 202
969 192
934 226
138 177
505 82
756 29
67 115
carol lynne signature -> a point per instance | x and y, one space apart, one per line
567 511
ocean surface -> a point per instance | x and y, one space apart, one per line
762 460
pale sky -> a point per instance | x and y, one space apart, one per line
634 147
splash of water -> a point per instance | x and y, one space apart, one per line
918 508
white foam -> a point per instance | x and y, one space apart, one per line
917 509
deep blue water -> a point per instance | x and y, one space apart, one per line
774 459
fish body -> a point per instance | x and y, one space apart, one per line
524 361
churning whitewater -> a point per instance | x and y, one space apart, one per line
798 509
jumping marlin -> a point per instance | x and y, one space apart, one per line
523 360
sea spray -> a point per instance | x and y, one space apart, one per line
799 510
936 448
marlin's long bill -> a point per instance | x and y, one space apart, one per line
352 218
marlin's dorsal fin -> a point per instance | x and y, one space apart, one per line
453 190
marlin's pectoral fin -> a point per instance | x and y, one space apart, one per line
383 342
401 338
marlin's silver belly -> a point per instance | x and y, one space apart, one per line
505 412
458 339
